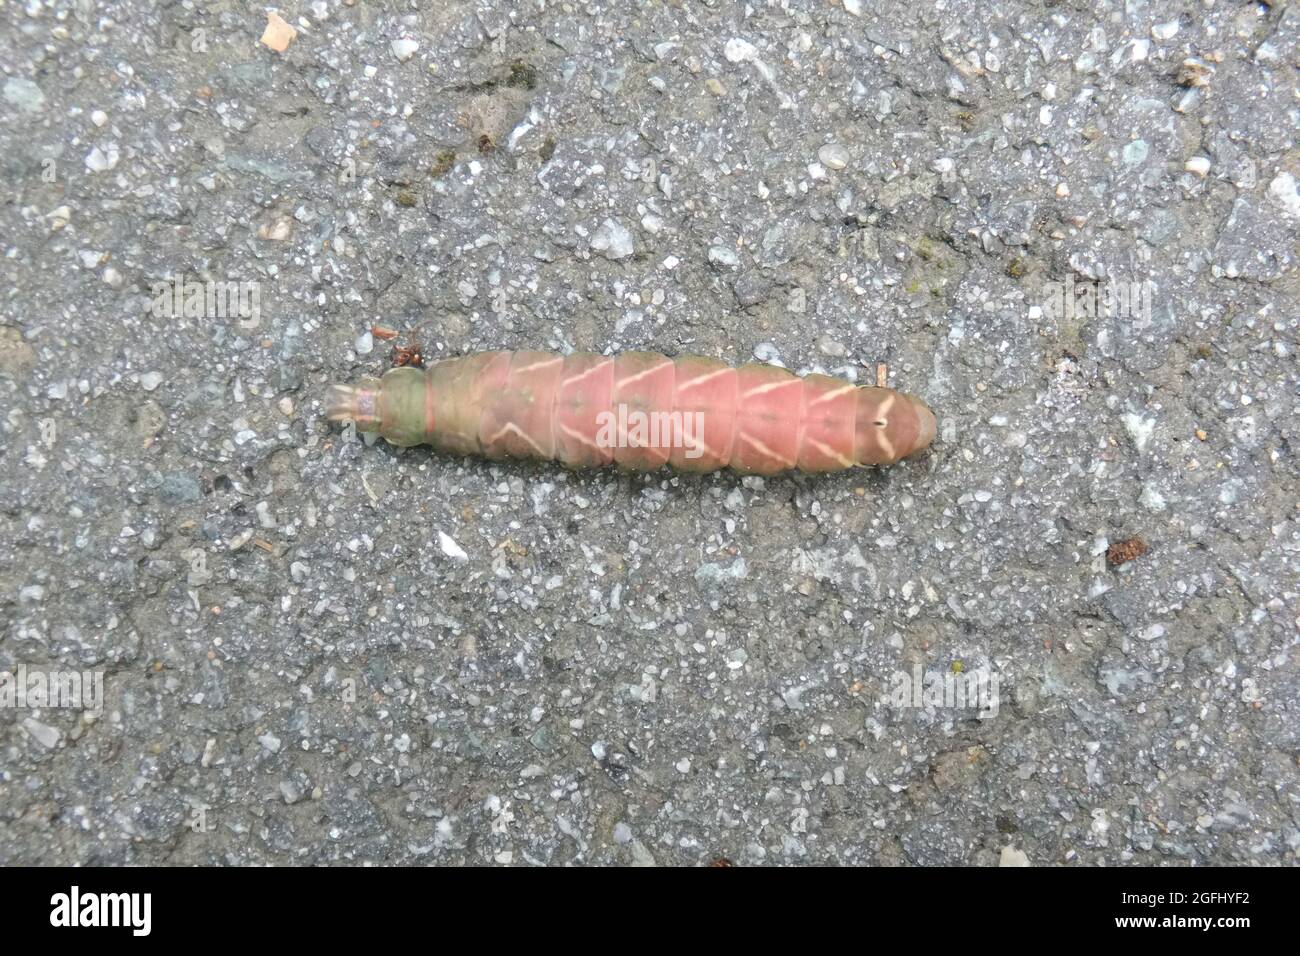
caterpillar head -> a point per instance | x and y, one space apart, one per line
394 406
358 404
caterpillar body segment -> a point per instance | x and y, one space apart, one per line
638 410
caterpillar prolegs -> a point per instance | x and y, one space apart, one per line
640 410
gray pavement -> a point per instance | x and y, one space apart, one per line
1070 227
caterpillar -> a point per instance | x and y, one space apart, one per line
638 410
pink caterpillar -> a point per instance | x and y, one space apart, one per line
640 410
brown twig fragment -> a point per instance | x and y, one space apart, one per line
1122 552
278 34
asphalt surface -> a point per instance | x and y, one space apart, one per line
314 650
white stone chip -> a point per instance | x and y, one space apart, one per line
450 548
404 48
739 51
833 156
